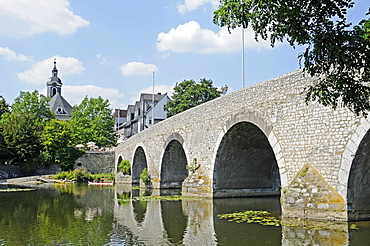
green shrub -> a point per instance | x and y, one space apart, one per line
79 175
145 177
125 167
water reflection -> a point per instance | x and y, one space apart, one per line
82 215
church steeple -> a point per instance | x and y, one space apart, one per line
54 84
55 70
58 105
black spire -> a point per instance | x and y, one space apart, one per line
55 70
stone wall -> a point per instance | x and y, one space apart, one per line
96 162
15 171
299 134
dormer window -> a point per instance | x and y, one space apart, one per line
60 111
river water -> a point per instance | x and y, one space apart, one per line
70 214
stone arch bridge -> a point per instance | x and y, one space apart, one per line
262 140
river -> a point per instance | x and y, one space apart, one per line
71 214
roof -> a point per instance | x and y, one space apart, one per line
60 106
122 113
149 97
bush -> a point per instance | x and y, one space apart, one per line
79 175
145 177
125 167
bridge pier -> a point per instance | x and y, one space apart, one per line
310 196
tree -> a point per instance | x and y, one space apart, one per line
337 53
22 128
4 152
92 120
188 94
4 107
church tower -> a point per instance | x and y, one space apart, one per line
54 84
58 105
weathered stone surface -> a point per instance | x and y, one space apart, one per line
314 198
97 162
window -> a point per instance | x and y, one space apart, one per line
60 111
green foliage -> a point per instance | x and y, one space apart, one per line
79 175
22 128
366 29
4 107
336 52
66 157
55 138
125 167
145 177
92 120
193 166
188 94
105 177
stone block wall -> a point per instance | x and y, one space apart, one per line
97 162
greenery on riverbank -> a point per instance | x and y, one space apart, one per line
81 175
31 137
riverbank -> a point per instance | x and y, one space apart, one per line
29 180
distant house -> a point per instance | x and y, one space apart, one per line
58 105
120 117
146 112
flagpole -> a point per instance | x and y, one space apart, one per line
153 102
243 75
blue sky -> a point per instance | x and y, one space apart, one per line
111 48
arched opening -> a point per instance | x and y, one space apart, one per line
174 164
245 164
54 91
138 165
358 194
118 162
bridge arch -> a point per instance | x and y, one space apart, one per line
245 161
174 161
139 162
118 162
354 175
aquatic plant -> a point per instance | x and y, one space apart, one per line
265 218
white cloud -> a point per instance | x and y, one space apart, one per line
66 66
138 68
190 37
22 18
11 55
102 60
190 5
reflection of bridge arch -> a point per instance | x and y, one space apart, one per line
156 225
